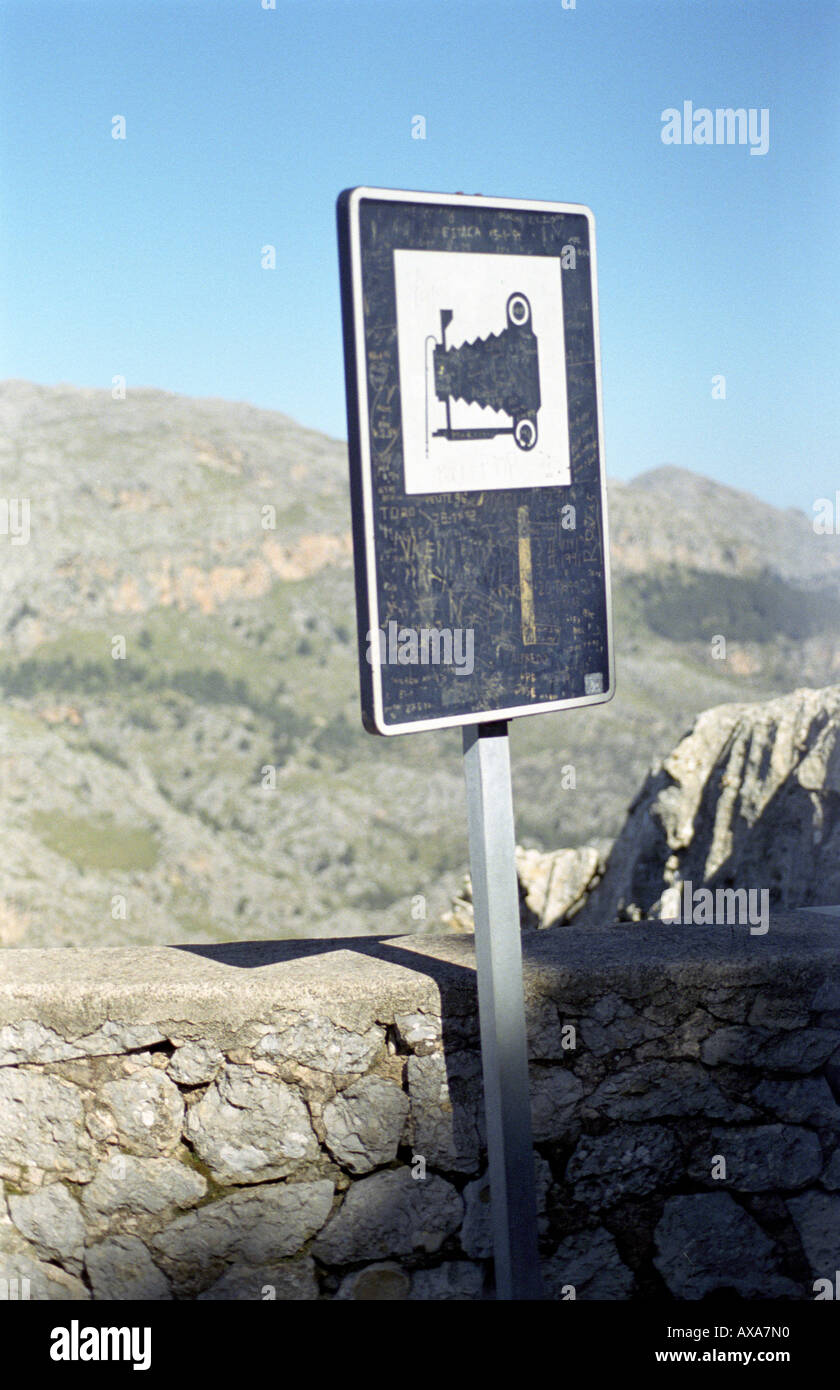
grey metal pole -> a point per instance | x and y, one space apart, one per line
504 1048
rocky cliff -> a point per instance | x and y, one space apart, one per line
748 799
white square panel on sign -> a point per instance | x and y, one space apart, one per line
447 300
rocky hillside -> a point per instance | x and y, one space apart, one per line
750 798
181 756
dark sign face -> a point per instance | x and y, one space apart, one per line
476 457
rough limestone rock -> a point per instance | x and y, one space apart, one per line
365 1123
51 1221
650 1092
628 1161
802 1051
706 1242
146 1111
747 799
613 1026
32 1041
816 1216
122 1268
27 1278
827 997
257 1227
124 1185
589 1264
554 1095
292 1281
832 1073
317 1042
477 1230
446 1124
555 885
760 1158
420 1033
808 1101
552 887
545 1031
381 1283
455 1280
42 1129
778 1011
250 1127
194 1063
390 1213
10 1237
831 1176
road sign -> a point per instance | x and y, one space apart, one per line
480 542
476 451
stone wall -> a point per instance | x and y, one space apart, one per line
303 1119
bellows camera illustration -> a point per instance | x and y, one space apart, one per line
500 371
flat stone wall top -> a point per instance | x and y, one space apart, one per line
221 991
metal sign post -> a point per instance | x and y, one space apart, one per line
504 1047
480 544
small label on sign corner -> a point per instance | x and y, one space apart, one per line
593 684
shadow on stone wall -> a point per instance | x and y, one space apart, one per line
302 1120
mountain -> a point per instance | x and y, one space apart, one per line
181 754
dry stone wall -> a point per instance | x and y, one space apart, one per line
303 1120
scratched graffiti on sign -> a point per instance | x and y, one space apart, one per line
480 437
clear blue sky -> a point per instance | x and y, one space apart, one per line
142 257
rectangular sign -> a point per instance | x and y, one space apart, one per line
476 457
